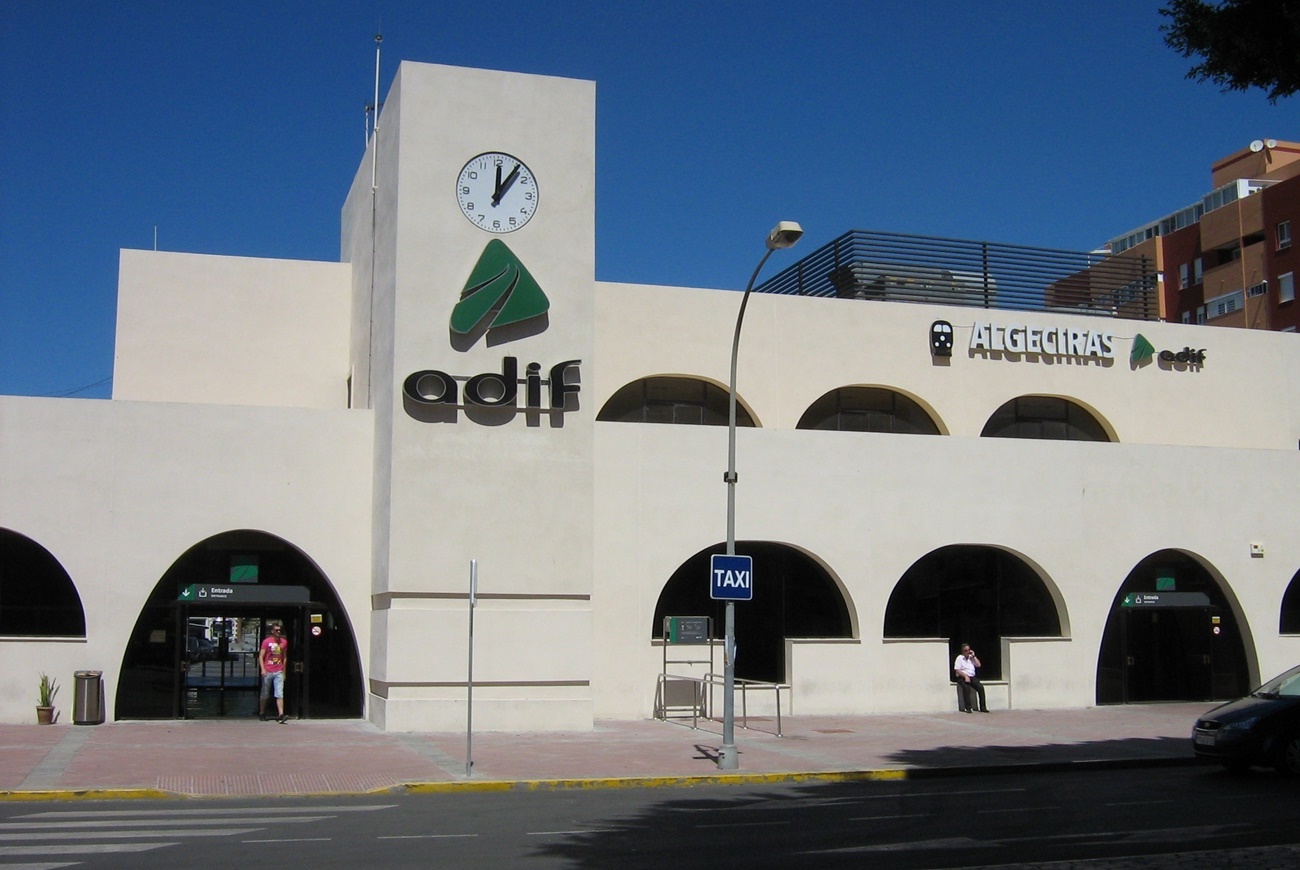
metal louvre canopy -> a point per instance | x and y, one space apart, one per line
893 267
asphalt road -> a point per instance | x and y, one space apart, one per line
1150 818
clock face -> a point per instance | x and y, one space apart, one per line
497 192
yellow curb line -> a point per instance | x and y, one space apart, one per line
647 781
480 785
90 794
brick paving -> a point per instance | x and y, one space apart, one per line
247 757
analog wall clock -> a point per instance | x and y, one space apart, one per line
497 192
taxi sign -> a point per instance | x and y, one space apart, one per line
731 578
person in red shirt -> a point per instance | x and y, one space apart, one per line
271 659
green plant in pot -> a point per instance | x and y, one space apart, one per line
45 709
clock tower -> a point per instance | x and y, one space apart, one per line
470 228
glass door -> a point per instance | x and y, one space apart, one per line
219 664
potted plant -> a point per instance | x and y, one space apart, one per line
45 709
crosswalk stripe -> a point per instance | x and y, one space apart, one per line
82 849
128 835
128 823
85 832
214 811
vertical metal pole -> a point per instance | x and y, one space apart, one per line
469 681
728 755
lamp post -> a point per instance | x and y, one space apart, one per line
783 235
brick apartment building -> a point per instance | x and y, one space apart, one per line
1229 259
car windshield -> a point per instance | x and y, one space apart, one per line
1286 685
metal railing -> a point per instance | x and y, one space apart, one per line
893 267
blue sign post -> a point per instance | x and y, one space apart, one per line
731 578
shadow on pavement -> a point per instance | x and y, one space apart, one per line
1131 749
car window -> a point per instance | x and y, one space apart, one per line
1285 684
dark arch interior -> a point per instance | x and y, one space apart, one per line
1047 418
868 409
972 594
793 597
37 597
171 637
687 401
1178 642
1289 620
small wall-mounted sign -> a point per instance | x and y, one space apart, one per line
941 337
687 629
1166 599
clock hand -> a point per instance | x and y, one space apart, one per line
496 191
506 185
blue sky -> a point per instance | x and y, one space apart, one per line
235 128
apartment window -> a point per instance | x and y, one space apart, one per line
1283 235
1286 287
1184 272
1187 317
1225 304
1200 314
1200 269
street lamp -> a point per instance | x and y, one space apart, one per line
783 235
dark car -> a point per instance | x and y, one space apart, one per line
1262 728
200 649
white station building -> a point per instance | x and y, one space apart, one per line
333 445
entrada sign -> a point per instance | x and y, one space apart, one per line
492 390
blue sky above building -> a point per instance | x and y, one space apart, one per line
236 127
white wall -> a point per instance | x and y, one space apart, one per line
871 505
512 492
231 330
796 349
117 491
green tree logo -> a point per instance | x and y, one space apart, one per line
1142 350
500 292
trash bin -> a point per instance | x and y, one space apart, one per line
88 702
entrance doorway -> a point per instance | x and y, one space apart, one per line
193 651
217 661
1171 636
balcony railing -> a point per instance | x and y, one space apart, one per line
893 267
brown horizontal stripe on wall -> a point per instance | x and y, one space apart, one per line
384 600
380 688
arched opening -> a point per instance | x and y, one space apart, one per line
193 650
868 409
794 597
973 594
673 399
1172 635
37 597
1046 418
1289 618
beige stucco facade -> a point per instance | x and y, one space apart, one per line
269 395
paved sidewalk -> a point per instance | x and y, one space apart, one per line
248 757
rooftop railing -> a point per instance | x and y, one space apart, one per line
893 267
